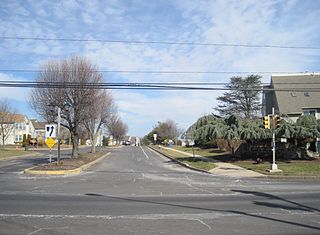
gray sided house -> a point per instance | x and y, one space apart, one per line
293 95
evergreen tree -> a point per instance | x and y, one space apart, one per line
242 97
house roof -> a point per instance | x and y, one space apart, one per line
295 101
38 125
12 118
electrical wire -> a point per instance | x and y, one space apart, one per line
160 42
147 86
158 72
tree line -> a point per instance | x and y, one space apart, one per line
239 121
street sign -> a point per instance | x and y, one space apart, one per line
50 142
51 131
155 137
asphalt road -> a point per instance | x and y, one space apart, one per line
136 191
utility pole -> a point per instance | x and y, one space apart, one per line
59 125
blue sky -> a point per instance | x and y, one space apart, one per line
288 23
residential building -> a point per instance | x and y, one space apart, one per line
38 130
293 95
19 125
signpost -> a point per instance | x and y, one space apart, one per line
50 143
51 131
155 138
50 134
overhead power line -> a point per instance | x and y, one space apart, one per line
147 86
161 42
158 71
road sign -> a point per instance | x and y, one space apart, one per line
51 131
50 142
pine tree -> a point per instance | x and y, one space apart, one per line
242 97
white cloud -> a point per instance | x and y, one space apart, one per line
142 111
240 22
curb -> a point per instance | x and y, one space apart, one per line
264 176
204 171
181 163
64 172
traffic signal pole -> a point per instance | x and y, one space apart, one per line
274 166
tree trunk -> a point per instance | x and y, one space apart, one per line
93 144
3 142
93 148
93 139
75 145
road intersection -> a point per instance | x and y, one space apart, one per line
137 191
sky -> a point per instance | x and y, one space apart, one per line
247 22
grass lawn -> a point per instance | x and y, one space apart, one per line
11 153
292 168
289 168
196 163
211 153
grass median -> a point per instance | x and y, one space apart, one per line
193 162
70 163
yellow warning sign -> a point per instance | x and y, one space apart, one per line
50 142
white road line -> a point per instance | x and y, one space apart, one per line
188 216
144 152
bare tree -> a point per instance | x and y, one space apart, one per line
7 120
117 128
72 77
165 131
98 115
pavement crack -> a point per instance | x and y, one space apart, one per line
201 222
40 229
34 232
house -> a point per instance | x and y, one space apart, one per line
38 131
293 95
14 127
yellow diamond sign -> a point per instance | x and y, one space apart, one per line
50 142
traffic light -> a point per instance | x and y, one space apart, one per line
277 121
266 122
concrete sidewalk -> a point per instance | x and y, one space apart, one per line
223 168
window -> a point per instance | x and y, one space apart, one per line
310 112
18 138
20 126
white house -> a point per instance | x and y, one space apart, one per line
16 125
